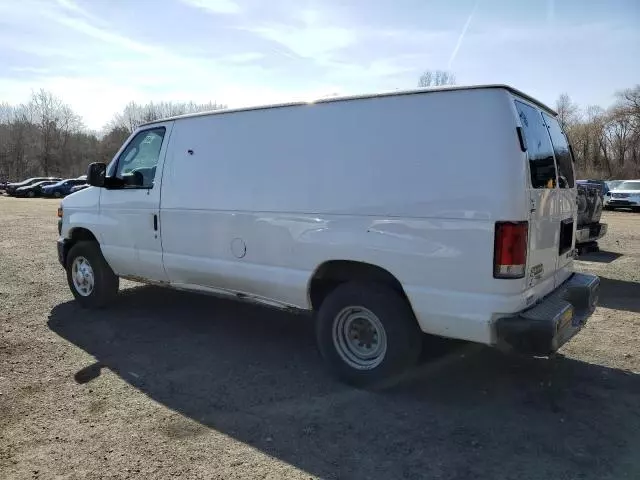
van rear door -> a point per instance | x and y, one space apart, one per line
566 201
544 224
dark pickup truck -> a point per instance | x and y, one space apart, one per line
589 229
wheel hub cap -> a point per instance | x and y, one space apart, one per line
82 276
359 338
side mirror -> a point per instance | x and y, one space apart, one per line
96 174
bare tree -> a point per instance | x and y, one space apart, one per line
135 114
606 143
45 136
628 104
436 78
56 122
111 142
568 111
17 145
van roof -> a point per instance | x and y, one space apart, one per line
359 97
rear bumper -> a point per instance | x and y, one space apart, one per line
590 233
544 328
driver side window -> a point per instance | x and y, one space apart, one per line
137 163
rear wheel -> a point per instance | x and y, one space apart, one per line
31 194
57 194
367 333
90 278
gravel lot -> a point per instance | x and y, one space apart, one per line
174 385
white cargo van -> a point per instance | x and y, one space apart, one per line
447 211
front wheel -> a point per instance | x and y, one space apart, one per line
31 194
90 278
57 194
367 333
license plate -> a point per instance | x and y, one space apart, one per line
566 318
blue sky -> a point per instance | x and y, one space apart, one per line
100 54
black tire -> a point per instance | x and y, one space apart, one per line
635 209
106 283
31 194
403 335
57 194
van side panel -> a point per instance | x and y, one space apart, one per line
255 201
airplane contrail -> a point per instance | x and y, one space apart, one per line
462 34
551 12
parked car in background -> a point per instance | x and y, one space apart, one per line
381 254
77 188
612 184
601 185
33 190
12 187
626 195
62 188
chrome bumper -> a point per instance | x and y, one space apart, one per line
591 233
544 328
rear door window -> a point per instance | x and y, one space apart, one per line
562 152
539 148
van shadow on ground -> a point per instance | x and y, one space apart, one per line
601 256
619 294
254 374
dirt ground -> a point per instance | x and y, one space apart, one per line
174 385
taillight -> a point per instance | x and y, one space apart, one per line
510 250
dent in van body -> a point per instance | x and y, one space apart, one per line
438 261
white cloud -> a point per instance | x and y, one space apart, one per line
308 33
103 34
310 50
73 7
216 6
245 57
307 42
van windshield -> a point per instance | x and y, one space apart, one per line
629 186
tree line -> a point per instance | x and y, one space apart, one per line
605 142
44 136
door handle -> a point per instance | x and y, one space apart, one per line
155 222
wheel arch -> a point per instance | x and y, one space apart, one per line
77 234
331 273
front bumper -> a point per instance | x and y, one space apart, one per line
627 202
590 233
62 251
544 328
